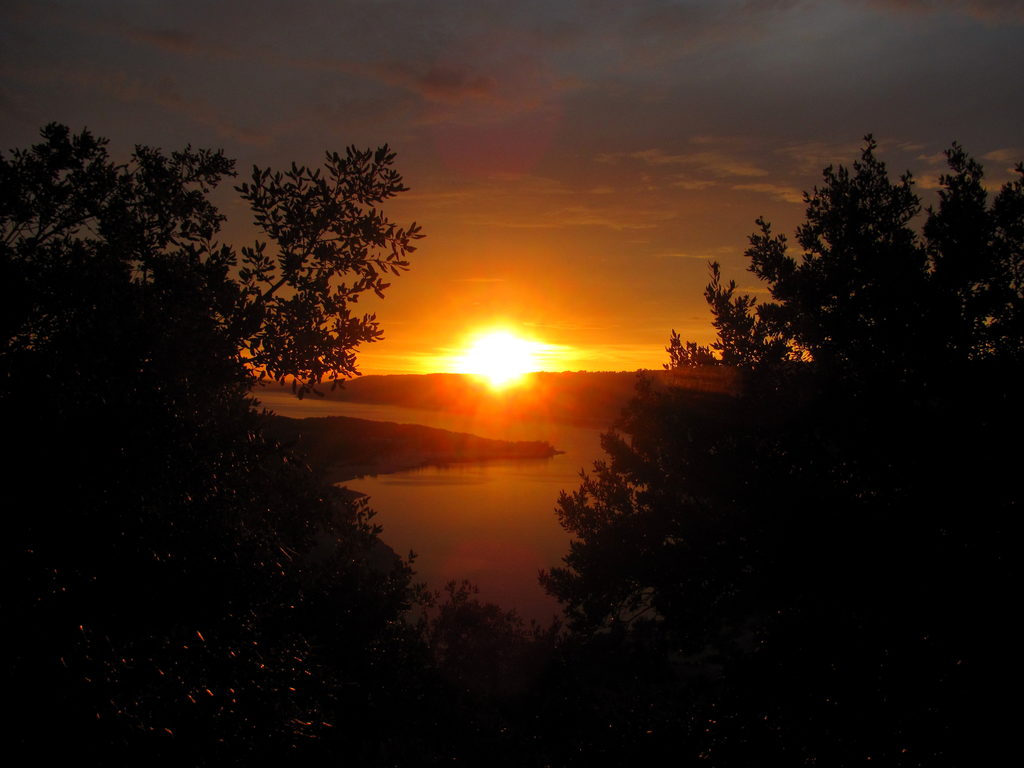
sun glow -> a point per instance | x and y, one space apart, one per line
500 357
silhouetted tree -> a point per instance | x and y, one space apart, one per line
688 354
184 588
821 561
482 647
978 261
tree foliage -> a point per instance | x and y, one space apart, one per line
76 226
185 587
821 559
687 354
869 295
323 225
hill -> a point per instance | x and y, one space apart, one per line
583 398
346 448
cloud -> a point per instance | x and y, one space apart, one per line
809 158
999 165
714 162
777 191
928 181
986 10
447 84
1002 163
933 158
438 82
703 255
533 202
618 219
525 201
694 185
1012 155
164 93
167 94
530 202
645 36
172 40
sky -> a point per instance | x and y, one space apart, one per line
574 164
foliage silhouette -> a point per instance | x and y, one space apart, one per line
688 354
817 559
324 225
185 588
482 647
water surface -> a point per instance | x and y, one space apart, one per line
493 522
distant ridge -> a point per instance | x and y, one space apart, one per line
584 398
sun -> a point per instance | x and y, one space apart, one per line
500 357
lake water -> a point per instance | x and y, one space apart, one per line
493 523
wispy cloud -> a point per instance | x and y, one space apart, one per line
1001 163
438 82
808 158
694 185
173 40
618 218
988 10
777 191
710 161
525 201
164 92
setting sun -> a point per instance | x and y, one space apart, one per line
500 357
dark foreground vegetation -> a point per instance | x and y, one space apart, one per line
814 568
821 569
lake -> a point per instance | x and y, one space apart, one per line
493 523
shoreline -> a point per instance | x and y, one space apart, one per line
346 448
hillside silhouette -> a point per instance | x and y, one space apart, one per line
344 448
580 398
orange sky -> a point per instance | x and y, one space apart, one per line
574 165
